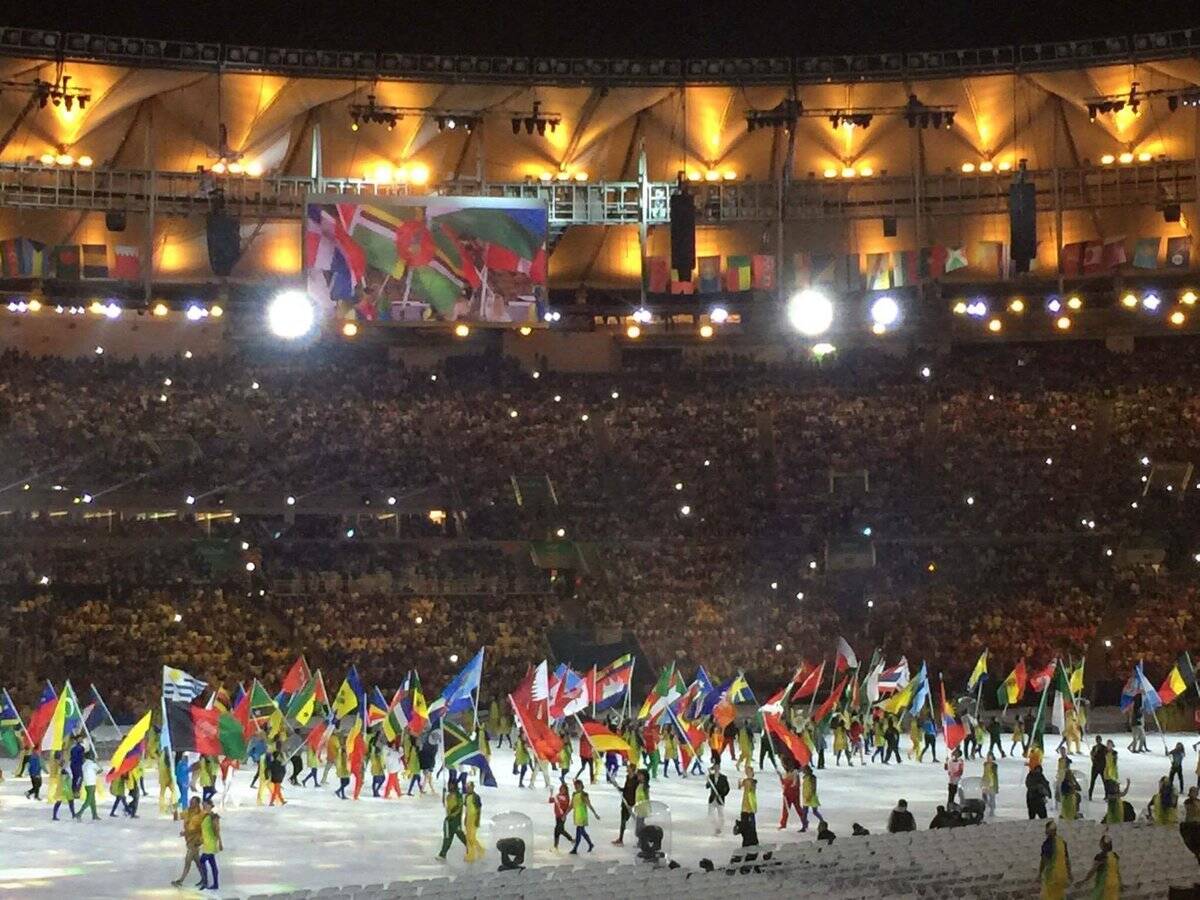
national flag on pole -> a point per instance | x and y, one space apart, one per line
303 703
262 704
1076 680
921 694
1042 677
206 731
612 683
871 683
40 718
416 713
377 707
10 726
456 696
895 678
900 700
64 721
130 751
296 678
796 745
346 699
952 729
603 740
980 671
1058 711
1012 689
178 685
393 722
457 743
544 743
1137 684
823 711
665 691
462 749
1181 677
845 658
775 702
811 682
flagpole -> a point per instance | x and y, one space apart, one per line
629 689
120 733
82 719
979 687
478 688
813 702
593 691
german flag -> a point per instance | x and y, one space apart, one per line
210 732
1181 677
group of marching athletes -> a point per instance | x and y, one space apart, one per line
408 764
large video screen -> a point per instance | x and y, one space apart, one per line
422 260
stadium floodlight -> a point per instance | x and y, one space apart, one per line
290 315
885 311
810 312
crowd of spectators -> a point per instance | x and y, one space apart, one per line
990 487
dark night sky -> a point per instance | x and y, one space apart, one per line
613 27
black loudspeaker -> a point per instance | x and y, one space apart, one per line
224 242
1171 212
889 226
114 220
683 235
1022 220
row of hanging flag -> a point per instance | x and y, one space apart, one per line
904 268
23 257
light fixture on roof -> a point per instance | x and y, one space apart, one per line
535 120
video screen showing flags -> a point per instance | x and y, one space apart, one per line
425 260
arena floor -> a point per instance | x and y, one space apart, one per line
318 840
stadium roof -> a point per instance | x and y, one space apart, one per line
163 102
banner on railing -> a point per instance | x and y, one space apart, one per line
418 260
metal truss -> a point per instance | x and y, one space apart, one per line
899 66
811 199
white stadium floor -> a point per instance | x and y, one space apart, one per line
318 841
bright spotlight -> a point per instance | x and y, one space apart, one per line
194 313
720 315
290 315
885 311
810 312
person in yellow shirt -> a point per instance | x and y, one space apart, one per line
747 825
472 813
192 817
1054 867
338 749
1105 873
581 805
452 824
210 846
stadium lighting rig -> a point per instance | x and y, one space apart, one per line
1106 104
786 113
535 120
59 92
375 113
